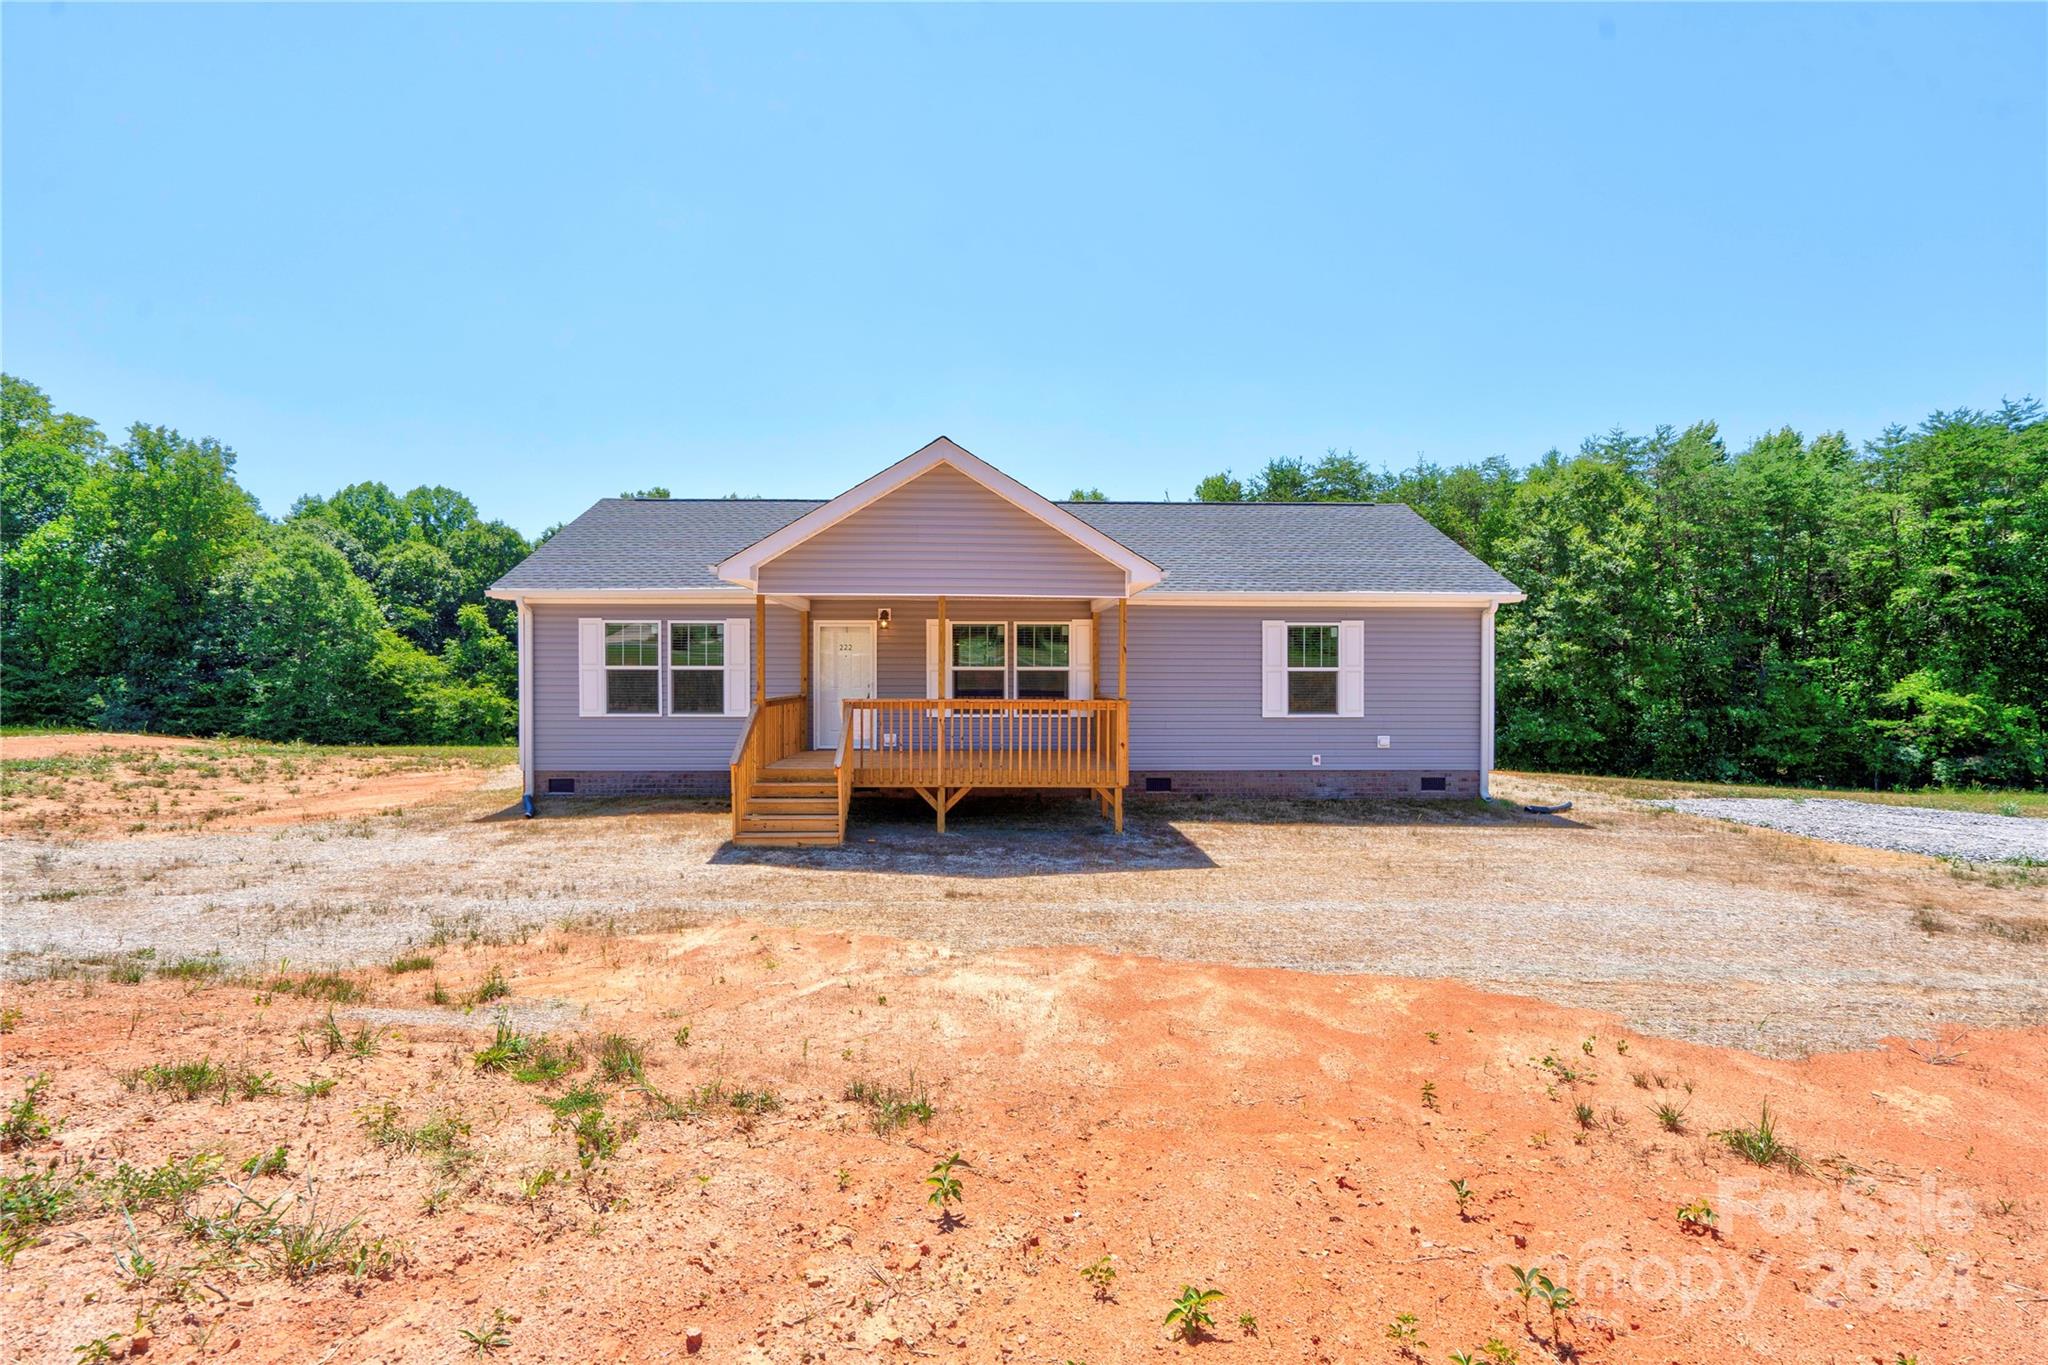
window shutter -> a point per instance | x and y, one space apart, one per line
739 665
590 666
1351 668
1272 668
931 657
1081 660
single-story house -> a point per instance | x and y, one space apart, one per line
940 628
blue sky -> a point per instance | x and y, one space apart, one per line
544 254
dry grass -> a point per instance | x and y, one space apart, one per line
71 782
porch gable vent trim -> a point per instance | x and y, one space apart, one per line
744 568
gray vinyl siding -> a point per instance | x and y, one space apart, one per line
565 741
1195 688
899 652
941 533
1194 682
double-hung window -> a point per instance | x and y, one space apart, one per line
1044 661
978 660
632 668
696 668
1311 670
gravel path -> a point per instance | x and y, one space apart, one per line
1903 829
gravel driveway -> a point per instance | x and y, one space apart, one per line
1688 928
1903 829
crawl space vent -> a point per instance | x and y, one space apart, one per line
561 786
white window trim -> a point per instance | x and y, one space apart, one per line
1067 668
1337 711
1009 653
669 667
660 647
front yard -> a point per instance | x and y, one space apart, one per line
597 1086
1689 927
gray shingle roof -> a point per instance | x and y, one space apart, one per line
635 543
1292 547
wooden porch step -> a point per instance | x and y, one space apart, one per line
753 839
791 825
758 804
771 787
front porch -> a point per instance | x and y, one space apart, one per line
803 755
940 749
950 638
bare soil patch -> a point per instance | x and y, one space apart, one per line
88 784
1289 1138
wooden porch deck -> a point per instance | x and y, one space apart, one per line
874 768
785 792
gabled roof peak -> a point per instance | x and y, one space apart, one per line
744 567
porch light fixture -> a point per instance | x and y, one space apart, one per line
882 617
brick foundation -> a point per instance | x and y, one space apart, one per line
1314 784
717 783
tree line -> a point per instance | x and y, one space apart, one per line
142 588
1801 610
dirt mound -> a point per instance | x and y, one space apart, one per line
757 1163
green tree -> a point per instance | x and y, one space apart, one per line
437 513
44 456
419 588
1340 478
374 516
482 554
302 631
118 584
1282 480
480 654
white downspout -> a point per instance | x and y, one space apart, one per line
1486 701
525 626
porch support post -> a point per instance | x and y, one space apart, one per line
1123 699
760 651
1123 648
1095 662
803 676
943 723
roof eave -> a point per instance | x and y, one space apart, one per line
1331 597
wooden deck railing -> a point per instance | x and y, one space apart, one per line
778 728
843 770
967 742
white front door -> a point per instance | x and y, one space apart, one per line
844 660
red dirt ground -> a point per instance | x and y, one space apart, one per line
156 784
1263 1132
